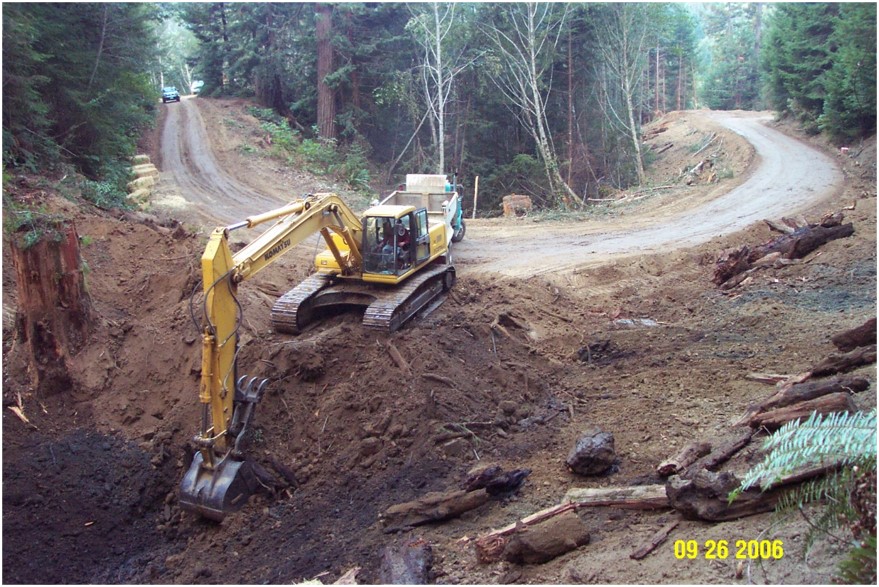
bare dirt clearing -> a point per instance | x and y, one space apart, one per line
89 489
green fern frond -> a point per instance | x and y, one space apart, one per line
859 568
841 438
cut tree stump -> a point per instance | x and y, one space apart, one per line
54 317
865 355
863 335
826 404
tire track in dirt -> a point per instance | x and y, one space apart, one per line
192 181
789 177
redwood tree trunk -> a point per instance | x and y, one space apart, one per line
53 321
326 103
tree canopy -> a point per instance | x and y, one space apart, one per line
534 98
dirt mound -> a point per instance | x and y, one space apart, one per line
507 370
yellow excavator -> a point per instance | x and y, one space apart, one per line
393 260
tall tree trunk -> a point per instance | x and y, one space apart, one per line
100 46
679 93
657 86
326 100
570 109
441 91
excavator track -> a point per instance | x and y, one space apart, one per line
387 308
292 311
396 306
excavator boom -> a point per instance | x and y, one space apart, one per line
393 285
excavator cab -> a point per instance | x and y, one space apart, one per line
393 245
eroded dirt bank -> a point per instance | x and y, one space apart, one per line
89 488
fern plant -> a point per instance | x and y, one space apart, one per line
842 438
847 441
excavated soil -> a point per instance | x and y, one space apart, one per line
89 484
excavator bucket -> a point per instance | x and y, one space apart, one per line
215 492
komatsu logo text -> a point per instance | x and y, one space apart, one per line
276 249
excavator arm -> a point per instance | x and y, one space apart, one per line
219 479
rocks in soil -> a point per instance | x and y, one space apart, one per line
593 453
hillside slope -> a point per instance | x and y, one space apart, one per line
89 490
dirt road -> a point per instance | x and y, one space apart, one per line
194 184
788 177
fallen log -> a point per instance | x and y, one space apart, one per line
722 451
432 507
865 355
796 244
687 456
705 496
647 497
863 335
409 563
654 541
537 541
798 390
768 378
636 497
826 404
802 241
543 542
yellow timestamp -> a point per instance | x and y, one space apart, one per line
720 549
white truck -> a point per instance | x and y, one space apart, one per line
441 198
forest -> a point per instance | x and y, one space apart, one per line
545 99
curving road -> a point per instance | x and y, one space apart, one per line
787 177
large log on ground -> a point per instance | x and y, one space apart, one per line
802 241
794 245
432 507
54 316
863 335
635 497
806 390
490 547
826 404
536 542
865 355
705 495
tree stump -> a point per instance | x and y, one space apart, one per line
54 316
